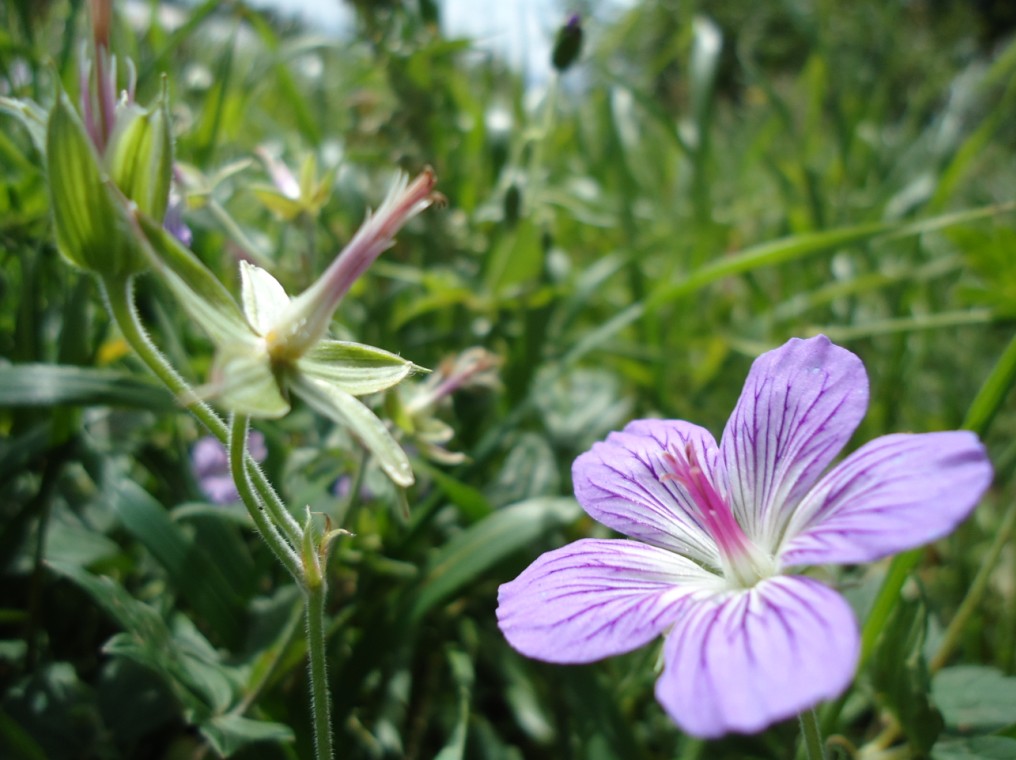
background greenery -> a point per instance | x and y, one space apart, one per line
708 180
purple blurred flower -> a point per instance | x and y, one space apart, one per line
720 527
210 463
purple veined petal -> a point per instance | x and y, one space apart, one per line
626 483
895 493
745 660
800 405
596 598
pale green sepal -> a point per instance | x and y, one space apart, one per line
139 156
264 298
355 368
280 204
309 556
201 294
93 231
344 409
243 382
31 115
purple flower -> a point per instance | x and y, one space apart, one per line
720 528
210 463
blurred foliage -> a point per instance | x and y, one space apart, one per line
706 181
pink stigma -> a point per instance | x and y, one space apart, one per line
712 510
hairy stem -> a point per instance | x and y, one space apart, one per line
120 300
316 637
237 456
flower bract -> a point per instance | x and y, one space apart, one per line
720 534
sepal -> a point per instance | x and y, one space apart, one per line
93 231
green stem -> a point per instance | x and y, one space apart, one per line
973 598
316 637
120 300
237 455
811 735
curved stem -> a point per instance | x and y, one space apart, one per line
315 596
120 300
811 735
268 530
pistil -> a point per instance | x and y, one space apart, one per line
744 564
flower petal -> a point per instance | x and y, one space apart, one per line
895 493
745 661
348 411
596 598
623 483
264 298
800 405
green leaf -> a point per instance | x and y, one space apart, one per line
975 697
463 675
355 368
192 572
55 384
465 558
31 115
979 748
516 260
230 733
263 297
900 674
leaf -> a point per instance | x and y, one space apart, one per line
191 571
472 552
900 674
516 260
56 384
463 675
32 116
975 697
979 748
229 733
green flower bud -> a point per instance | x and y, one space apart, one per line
567 44
92 229
140 156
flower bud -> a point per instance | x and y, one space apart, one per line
567 44
140 156
92 230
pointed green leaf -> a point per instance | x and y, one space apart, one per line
355 368
31 115
55 384
344 409
229 733
472 552
280 204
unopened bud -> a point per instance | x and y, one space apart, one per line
567 44
92 229
140 156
